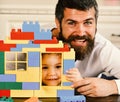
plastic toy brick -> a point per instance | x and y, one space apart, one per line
21 35
6 47
19 47
5 99
5 93
68 64
22 93
13 85
69 55
52 41
79 98
64 49
33 59
67 83
9 41
31 26
1 62
31 86
62 93
35 27
44 34
7 78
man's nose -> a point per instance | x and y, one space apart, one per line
80 30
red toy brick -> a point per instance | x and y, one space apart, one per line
5 93
21 35
53 41
64 49
6 47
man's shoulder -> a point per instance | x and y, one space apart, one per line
101 40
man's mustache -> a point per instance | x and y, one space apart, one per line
77 37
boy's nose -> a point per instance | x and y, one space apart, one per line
51 71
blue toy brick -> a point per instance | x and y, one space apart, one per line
44 35
31 27
7 78
61 93
79 98
31 86
67 64
67 83
35 27
33 59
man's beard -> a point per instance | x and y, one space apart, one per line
80 51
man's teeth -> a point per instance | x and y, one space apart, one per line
82 40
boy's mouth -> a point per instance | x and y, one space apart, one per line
52 78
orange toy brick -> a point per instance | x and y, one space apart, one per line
52 41
5 93
64 49
18 35
6 47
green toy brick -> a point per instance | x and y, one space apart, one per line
5 99
1 62
13 85
2 85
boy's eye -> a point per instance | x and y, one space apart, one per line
45 67
58 66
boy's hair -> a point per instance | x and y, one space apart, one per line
56 54
75 4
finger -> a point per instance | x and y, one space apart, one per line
70 72
70 78
80 83
87 92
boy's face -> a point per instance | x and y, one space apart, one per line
51 70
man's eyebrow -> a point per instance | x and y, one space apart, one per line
83 20
70 20
89 19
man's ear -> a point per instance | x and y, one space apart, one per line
57 24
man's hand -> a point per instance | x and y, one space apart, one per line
96 87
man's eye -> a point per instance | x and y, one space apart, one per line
71 23
88 23
45 67
58 66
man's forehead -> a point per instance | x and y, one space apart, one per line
74 13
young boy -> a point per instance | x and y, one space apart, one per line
51 69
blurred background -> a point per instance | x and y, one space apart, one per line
14 12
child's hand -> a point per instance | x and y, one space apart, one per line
73 75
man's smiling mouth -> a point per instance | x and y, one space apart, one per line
79 42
